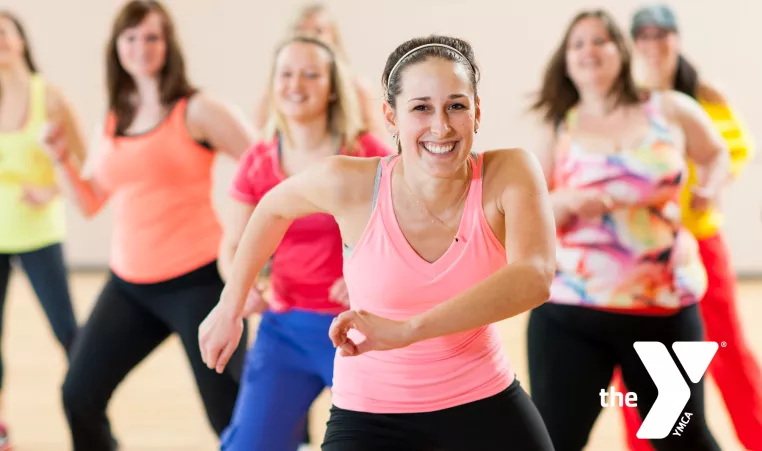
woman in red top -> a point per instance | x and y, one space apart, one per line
316 20
314 114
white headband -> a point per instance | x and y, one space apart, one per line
391 73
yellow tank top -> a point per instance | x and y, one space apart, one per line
25 227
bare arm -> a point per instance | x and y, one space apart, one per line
320 189
704 144
225 128
235 224
64 141
524 283
260 112
562 202
61 112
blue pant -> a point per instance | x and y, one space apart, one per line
289 365
46 270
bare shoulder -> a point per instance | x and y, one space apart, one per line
510 174
56 103
509 166
351 179
202 107
711 93
222 123
677 106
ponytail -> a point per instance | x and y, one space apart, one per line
686 77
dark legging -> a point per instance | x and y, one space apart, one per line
127 323
572 355
505 421
47 274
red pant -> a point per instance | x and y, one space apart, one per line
734 368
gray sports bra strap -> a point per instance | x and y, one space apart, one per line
376 184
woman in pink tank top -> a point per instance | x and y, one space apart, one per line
153 161
314 115
440 243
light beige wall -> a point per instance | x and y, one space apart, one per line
228 48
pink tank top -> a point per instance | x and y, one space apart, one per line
387 277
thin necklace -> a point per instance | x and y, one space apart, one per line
434 218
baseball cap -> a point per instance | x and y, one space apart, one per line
653 16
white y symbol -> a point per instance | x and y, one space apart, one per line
673 391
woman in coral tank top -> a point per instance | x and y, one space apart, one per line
153 161
440 243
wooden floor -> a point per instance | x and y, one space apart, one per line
157 407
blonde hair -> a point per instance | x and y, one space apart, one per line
344 114
313 9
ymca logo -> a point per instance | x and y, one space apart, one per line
673 390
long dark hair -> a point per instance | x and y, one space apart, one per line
686 77
173 82
558 93
28 59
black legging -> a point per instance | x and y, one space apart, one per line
127 323
505 421
46 270
572 355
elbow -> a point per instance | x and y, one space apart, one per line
89 211
538 279
225 257
221 270
91 208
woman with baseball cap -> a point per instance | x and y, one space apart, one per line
660 64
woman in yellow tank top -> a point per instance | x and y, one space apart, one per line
32 226
660 65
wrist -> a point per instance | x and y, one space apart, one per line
608 201
703 191
232 301
415 329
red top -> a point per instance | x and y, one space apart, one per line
309 258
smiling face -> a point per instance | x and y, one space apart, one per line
592 57
436 115
657 49
142 49
302 81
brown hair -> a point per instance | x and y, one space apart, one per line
558 93
173 82
406 55
344 115
22 33
313 9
